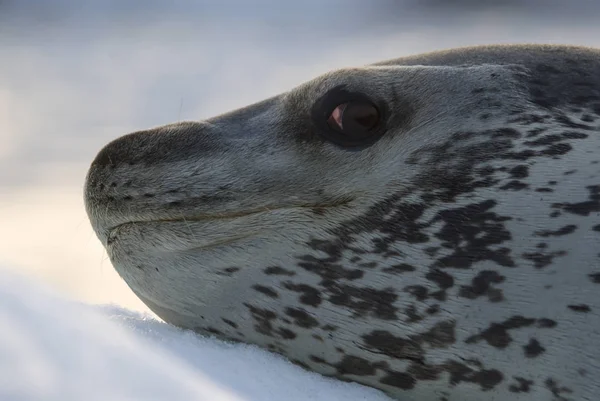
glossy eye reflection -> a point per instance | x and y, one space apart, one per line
355 119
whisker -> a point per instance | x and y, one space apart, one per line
187 224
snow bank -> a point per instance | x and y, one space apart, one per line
53 349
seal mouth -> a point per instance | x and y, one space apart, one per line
317 208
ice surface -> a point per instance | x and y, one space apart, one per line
55 349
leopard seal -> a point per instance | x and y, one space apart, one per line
428 226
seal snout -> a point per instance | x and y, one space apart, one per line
169 143
143 175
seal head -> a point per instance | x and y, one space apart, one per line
428 226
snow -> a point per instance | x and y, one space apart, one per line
55 349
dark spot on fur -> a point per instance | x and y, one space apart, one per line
546 323
263 319
592 205
300 363
412 314
580 308
301 318
568 229
228 271
266 290
399 268
497 334
555 138
368 265
417 291
482 285
567 122
460 372
353 365
514 185
557 390
441 278
533 348
317 359
557 149
327 269
439 295
279 271
520 171
470 231
309 295
595 277
433 309
541 260
286 334
230 323
522 386
364 300
211 330
401 380
441 335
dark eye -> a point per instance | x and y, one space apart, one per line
351 120
356 119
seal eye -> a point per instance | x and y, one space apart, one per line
350 120
356 119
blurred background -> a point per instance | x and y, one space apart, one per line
76 74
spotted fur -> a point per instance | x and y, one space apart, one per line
455 259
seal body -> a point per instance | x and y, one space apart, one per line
429 226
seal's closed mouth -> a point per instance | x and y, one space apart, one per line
208 217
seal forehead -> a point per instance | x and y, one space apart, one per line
558 75
455 257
